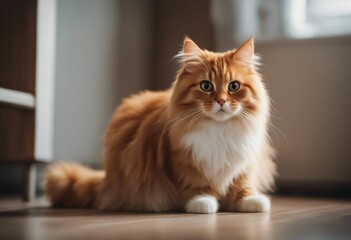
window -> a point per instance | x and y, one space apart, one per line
318 18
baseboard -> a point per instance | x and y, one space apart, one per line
323 188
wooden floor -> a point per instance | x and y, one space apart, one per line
291 218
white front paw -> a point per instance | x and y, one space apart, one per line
254 203
202 204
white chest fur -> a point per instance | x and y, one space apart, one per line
222 150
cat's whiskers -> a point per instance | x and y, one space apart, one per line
189 117
247 115
168 122
180 115
183 116
243 118
179 118
270 126
200 115
250 117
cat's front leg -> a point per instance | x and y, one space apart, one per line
241 197
204 203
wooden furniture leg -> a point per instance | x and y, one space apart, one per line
29 181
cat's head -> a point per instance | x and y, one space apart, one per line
219 86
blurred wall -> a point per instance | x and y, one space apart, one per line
135 46
103 54
86 76
173 20
309 82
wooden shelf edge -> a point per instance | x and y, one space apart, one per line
17 98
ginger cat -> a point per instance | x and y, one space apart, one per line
200 146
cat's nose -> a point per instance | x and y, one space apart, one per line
221 101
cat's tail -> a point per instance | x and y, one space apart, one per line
69 184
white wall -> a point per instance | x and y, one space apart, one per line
86 76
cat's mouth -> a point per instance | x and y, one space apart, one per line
223 113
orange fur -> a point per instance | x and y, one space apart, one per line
70 184
159 153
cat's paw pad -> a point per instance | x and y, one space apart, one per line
202 204
254 203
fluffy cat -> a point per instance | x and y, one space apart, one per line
200 146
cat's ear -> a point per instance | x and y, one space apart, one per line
191 56
246 54
190 48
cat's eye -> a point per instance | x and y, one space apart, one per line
206 86
234 86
